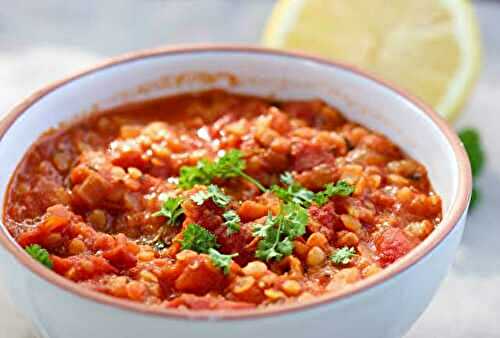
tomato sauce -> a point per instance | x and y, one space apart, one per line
89 194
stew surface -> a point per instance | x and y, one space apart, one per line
216 201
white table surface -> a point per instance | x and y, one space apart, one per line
41 41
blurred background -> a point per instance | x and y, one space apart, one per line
42 41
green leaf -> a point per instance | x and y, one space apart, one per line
475 197
171 209
343 256
278 232
221 261
232 222
472 143
200 197
266 252
287 178
295 220
260 230
201 174
40 254
341 188
297 194
198 239
213 192
294 192
270 233
285 247
231 164
218 196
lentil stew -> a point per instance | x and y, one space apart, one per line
214 200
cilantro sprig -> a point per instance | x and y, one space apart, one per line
40 254
232 222
294 192
229 165
171 209
198 239
343 255
278 232
213 192
221 261
341 188
472 143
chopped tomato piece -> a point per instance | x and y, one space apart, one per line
394 244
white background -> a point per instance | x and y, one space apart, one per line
41 41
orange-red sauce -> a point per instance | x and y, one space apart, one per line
87 194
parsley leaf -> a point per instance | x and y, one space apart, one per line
220 260
270 232
295 219
40 254
171 209
472 143
287 178
201 173
213 192
278 232
475 197
200 197
297 194
294 192
232 221
230 165
198 239
343 255
341 188
260 230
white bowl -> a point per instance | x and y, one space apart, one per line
382 306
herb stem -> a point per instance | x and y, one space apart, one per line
253 181
278 235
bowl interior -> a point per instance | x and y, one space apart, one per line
242 71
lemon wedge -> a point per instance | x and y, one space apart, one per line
431 48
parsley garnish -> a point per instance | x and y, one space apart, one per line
198 239
295 193
213 192
39 254
220 260
278 232
475 196
230 165
171 209
341 188
343 255
472 143
201 173
232 221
